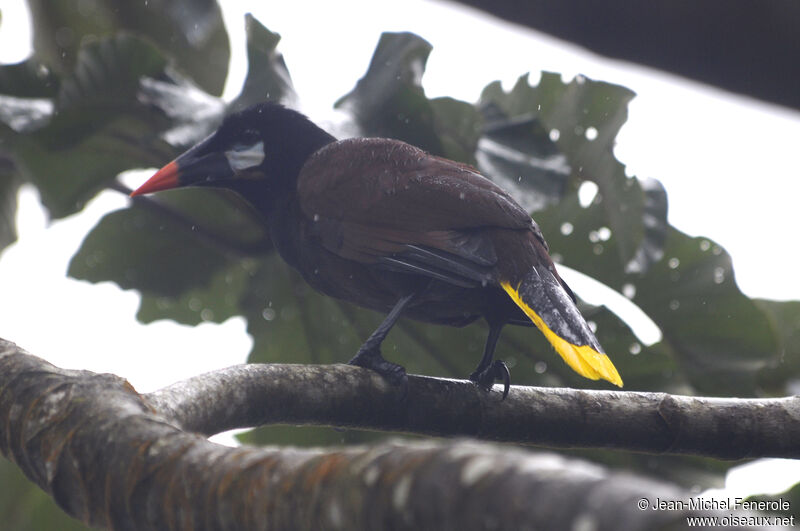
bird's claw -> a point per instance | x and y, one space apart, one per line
498 370
392 372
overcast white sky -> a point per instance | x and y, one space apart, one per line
729 164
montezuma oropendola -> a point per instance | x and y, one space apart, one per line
384 225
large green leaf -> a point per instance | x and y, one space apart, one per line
719 338
583 117
190 32
458 126
119 107
389 100
291 323
517 154
782 376
26 90
185 252
9 185
99 127
267 75
28 79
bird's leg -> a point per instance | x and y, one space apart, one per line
369 355
488 371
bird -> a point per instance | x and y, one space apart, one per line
390 227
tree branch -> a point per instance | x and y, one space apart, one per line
340 395
112 460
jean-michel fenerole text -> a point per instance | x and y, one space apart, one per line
719 504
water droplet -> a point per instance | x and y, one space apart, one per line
207 314
705 245
587 193
629 290
674 304
462 196
719 275
592 326
598 248
604 233
635 348
673 263
591 133
268 314
555 134
566 228
717 250
557 258
316 217
540 367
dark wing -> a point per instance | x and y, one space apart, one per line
386 202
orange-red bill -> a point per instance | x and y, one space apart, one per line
164 179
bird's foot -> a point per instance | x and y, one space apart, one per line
498 370
370 358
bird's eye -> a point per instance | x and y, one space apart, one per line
248 138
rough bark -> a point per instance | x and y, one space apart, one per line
114 459
340 395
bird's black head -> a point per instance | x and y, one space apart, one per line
257 151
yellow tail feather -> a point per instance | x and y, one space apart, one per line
583 359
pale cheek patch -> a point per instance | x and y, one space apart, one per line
246 157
